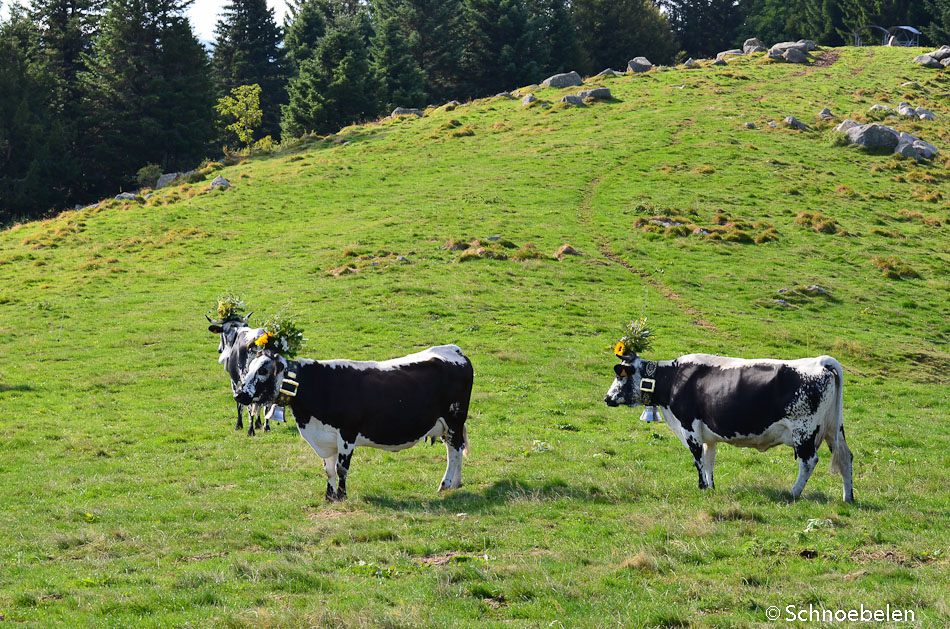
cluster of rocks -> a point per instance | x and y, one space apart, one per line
570 79
791 52
939 58
876 135
904 109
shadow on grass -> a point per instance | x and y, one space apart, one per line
15 387
777 495
500 493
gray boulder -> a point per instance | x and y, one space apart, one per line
639 64
503 95
608 72
719 62
750 125
906 110
220 182
572 99
795 55
166 179
689 63
873 135
779 49
566 79
734 52
825 114
405 111
598 92
907 150
795 123
945 62
925 114
846 124
928 61
892 41
913 84
125 196
809 44
527 100
880 108
924 149
752 45
941 53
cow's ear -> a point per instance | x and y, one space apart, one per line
280 366
620 370
215 329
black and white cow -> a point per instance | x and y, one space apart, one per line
391 405
235 337
760 404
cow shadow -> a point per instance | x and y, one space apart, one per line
15 387
784 496
499 493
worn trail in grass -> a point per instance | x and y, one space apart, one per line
127 498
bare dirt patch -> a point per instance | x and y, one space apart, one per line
203 556
329 515
444 558
826 58
864 556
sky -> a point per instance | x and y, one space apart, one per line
203 14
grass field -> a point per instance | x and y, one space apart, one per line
127 499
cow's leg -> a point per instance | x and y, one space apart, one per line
257 416
841 461
709 461
250 423
454 444
240 421
329 464
807 452
342 468
696 447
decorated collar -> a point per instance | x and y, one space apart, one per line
648 382
287 390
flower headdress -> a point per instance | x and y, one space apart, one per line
230 308
281 335
637 338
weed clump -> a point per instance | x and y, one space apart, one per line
818 222
894 268
528 252
462 132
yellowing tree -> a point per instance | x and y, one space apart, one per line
244 105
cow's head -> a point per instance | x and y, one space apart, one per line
626 386
227 331
261 383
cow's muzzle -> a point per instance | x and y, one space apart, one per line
609 401
242 397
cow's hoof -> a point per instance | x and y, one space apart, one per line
266 427
257 423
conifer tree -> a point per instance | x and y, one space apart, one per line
704 27
611 32
560 51
401 81
304 25
247 51
500 46
335 86
149 90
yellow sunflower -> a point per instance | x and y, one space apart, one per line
263 339
618 348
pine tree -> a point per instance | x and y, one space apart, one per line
335 86
247 51
31 134
432 31
304 25
501 46
704 27
560 51
149 91
401 80
938 30
611 32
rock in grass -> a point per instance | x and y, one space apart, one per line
941 53
808 44
166 179
608 72
566 79
846 124
689 63
733 52
220 182
753 44
527 100
795 55
405 111
925 114
566 250
598 92
750 125
905 109
125 196
872 135
928 61
777 50
572 99
720 62
884 108
825 114
639 64
795 123
503 95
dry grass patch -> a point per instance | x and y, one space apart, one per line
818 222
894 268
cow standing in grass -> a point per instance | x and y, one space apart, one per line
235 336
760 404
390 405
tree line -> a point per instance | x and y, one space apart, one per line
91 91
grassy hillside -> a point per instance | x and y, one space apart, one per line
127 497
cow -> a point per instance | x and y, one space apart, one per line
761 403
390 405
235 336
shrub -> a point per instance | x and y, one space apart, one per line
895 268
148 175
527 252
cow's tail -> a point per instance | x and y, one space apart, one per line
465 449
836 442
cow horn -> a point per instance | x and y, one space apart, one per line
209 319
247 316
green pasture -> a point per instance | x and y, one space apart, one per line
127 498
